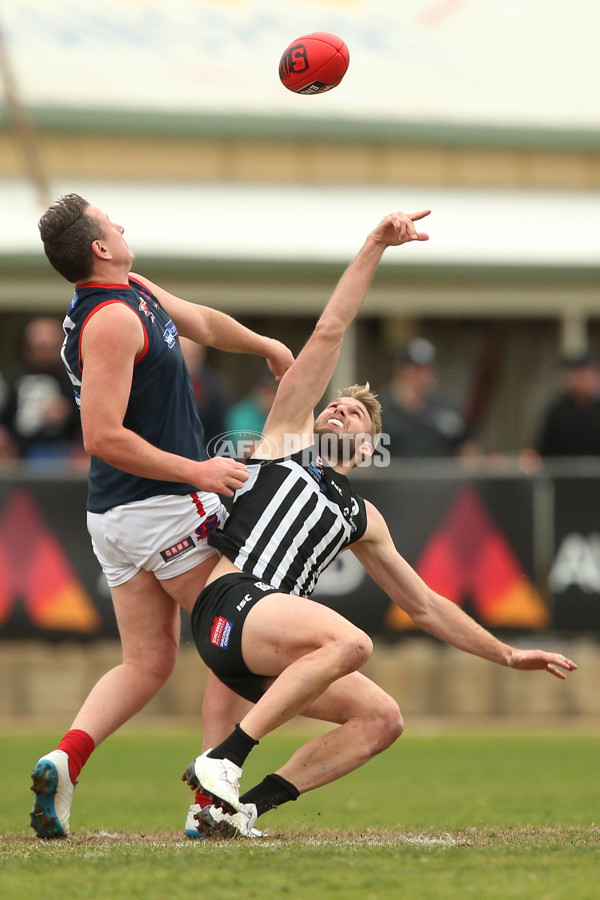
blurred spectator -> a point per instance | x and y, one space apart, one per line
571 423
8 448
39 413
212 401
247 418
419 420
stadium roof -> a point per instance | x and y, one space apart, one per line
509 65
265 223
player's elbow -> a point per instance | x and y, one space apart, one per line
92 444
329 331
97 442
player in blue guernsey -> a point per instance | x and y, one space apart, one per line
153 493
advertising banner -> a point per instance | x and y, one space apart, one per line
574 577
50 583
472 540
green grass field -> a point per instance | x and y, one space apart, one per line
442 816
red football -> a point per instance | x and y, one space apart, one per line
314 63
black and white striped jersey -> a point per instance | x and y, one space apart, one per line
290 520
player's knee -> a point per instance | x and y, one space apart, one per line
165 666
354 650
157 665
389 722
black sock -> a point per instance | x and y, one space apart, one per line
271 792
236 747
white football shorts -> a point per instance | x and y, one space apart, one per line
166 535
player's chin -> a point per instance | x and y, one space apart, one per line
333 435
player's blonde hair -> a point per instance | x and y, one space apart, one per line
364 394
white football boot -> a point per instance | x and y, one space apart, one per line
213 822
53 789
219 778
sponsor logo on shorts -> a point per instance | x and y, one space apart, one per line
262 586
177 549
220 632
243 602
209 523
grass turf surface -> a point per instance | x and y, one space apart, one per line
445 816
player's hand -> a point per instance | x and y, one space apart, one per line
279 359
399 228
221 475
554 663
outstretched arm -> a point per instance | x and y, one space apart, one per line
436 614
306 380
216 329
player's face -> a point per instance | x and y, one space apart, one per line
116 244
344 431
343 416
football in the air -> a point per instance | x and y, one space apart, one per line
314 63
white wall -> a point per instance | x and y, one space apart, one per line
258 222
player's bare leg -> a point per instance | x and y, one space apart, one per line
305 649
148 621
369 722
147 613
221 709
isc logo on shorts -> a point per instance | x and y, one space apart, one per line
220 632
242 603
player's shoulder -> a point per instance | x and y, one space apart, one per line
113 317
138 281
376 526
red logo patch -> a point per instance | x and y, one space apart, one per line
220 632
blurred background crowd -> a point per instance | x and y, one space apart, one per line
423 419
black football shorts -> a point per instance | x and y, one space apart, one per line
217 621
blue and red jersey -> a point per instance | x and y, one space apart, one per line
161 407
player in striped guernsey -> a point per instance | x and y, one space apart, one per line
296 515
254 624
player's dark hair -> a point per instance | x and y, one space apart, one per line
67 234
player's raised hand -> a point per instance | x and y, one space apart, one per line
554 663
399 228
221 475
